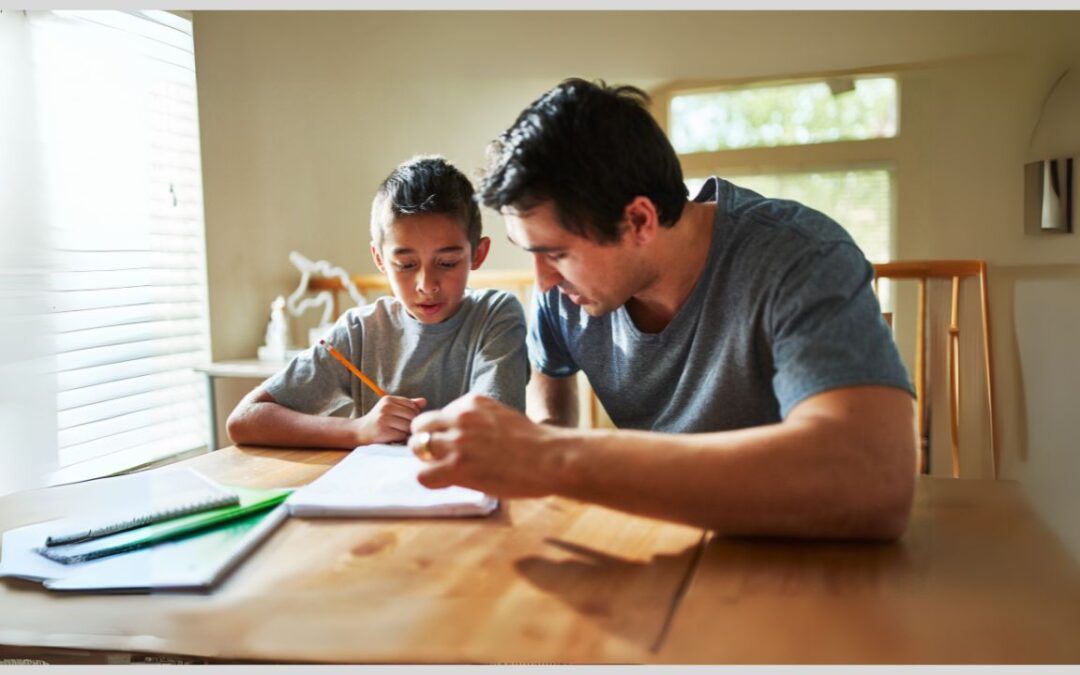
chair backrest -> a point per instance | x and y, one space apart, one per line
955 271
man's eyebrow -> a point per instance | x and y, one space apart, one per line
535 249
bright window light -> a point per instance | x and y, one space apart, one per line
844 109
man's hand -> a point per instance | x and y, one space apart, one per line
388 421
481 444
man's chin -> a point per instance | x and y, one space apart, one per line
590 307
594 310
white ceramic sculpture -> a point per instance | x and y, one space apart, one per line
297 304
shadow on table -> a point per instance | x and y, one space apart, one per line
630 598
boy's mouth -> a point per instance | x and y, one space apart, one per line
429 308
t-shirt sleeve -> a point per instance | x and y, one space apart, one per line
500 364
826 329
547 345
315 382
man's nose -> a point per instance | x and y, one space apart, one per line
546 275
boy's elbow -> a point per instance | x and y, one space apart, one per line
241 424
235 426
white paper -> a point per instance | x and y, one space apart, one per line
380 481
194 563
114 498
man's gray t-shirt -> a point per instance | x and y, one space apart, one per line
481 348
783 310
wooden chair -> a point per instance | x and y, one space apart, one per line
956 271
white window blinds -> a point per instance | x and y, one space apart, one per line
122 199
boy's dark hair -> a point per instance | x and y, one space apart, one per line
426 184
591 149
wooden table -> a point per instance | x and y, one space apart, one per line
541 581
975 579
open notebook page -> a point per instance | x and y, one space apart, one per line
380 481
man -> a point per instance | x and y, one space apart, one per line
734 340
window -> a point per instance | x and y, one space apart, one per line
827 143
790 114
120 235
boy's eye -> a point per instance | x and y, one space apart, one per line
556 257
402 266
449 264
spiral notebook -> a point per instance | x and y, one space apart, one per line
198 562
192 552
248 501
198 495
380 481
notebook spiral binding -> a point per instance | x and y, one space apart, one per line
166 513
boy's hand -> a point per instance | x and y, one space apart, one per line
389 420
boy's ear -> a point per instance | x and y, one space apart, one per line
642 220
482 248
377 257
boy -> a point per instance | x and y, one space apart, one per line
430 343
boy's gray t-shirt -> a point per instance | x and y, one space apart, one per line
783 310
479 349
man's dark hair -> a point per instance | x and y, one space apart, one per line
428 184
591 149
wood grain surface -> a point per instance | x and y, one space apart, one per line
975 579
542 581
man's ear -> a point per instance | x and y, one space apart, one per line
482 248
642 220
377 257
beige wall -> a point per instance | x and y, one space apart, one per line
302 114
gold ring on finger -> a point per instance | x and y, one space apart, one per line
423 449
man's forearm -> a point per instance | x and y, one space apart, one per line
809 477
841 465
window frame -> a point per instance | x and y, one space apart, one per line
832 156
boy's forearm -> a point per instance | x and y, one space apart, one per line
264 423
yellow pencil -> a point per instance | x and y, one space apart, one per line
355 371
